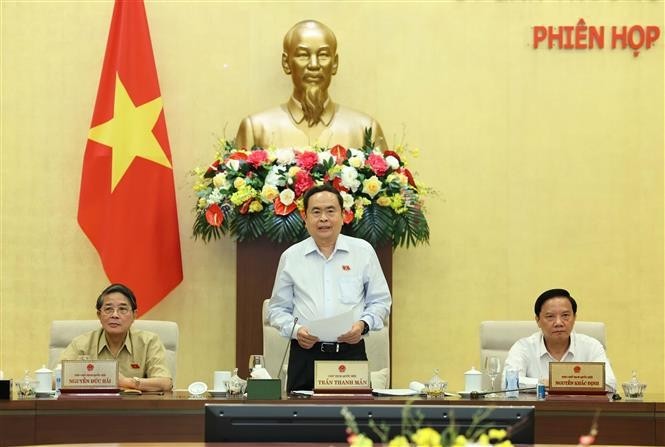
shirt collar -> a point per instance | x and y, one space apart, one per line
102 342
295 110
341 244
542 349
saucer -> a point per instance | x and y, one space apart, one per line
218 393
197 388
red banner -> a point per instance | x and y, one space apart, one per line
127 204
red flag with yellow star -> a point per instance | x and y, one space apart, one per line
127 204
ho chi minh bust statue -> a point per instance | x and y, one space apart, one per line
310 116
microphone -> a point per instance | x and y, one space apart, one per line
288 343
482 394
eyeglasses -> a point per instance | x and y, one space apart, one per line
110 310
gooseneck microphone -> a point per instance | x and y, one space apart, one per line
482 394
288 343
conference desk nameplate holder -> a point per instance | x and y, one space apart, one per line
335 377
94 378
570 379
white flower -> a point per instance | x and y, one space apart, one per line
287 196
285 156
350 178
214 197
358 153
347 200
325 156
275 176
233 164
392 162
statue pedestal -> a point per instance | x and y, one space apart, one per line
256 266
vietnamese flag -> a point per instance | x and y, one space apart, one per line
127 204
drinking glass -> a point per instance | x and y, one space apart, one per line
256 360
492 369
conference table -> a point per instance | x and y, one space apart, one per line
177 417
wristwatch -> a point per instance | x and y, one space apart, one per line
365 329
137 382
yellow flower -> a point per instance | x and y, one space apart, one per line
483 440
496 433
460 441
300 203
239 182
384 201
336 169
372 186
269 193
399 441
398 177
360 441
219 180
255 207
427 437
293 170
243 194
356 162
203 203
397 203
200 186
360 210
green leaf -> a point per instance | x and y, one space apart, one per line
288 228
376 225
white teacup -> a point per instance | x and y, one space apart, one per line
221 381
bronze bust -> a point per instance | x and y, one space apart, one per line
310 116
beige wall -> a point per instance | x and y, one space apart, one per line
548 166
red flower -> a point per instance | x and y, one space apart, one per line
214 215
348 216
237 156
244 208
307 160
406 172
339 152
283 210
257 158
377 163
303 181
213 167
337 184
393 153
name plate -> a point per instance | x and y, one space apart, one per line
577 378
89 375
332 376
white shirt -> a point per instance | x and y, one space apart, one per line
311 287
529 355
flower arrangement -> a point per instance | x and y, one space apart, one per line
259 192
413 434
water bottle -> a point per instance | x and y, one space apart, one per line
58 378
512 383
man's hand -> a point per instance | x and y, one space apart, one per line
354 335
305 339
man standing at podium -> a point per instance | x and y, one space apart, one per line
323 276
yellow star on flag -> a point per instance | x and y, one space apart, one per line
129 133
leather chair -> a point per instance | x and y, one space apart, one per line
377 345
64 331
497 337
